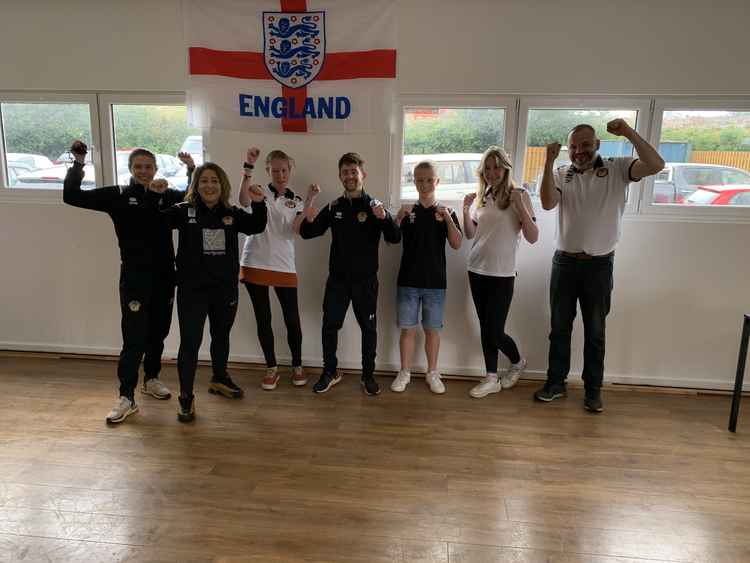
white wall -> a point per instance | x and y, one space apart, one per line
680 288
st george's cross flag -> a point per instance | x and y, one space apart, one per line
318 66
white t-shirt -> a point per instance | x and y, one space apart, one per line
589 215
273 249
498 233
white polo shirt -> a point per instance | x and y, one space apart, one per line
589 215
273 249
493 252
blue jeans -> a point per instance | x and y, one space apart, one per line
589 282
409 300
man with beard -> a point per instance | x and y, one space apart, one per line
356 221
590 195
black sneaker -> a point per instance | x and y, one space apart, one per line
593 401
326 381
225 386
187 409
550 392
369 385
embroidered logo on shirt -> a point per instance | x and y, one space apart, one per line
191 211
602 172
362 216
134 306
192 221
214 242
337 215
412 217
228 220
290 204
133 201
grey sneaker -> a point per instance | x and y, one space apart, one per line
123 408
511 377
593 401
550 392
155 388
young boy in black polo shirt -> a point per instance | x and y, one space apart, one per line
425 226
356 221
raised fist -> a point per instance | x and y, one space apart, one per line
378 209
159 185
252 155
618 127
312 192
187 159
469 199
553 151
79 150
256 193
405 210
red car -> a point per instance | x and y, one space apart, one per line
737 194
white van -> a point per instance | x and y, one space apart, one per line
457 173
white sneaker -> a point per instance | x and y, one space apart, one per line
123 408
399 383
433 380
489 384
511 377
155 388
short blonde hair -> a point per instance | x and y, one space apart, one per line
279 155
426 165
192 196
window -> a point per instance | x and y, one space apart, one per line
162 129
452 137
36 138
708 151
552 125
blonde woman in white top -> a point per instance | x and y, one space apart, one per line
268 260
495 217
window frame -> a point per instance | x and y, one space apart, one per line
682 213
107 121
509 104
37 195
641 104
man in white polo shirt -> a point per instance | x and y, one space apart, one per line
590 195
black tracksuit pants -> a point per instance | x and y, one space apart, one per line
290 311
194 304
146 300
363 295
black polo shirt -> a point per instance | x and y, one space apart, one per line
423 259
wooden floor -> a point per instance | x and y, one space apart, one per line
290 476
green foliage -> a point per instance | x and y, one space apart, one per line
461 130
728 138
48 129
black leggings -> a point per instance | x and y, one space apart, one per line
290 310
492 296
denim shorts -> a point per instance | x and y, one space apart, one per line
409 300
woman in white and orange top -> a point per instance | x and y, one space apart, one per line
495 217
268 261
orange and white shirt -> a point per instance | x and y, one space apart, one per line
268 257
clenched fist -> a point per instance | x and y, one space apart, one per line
312 192
79 149
187 159
619 127
252 155
256 193
553 151
159 185
469 199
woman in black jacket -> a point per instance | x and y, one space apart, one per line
207 273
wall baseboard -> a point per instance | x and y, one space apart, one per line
462 371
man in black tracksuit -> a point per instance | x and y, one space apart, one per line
356 221
147 275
